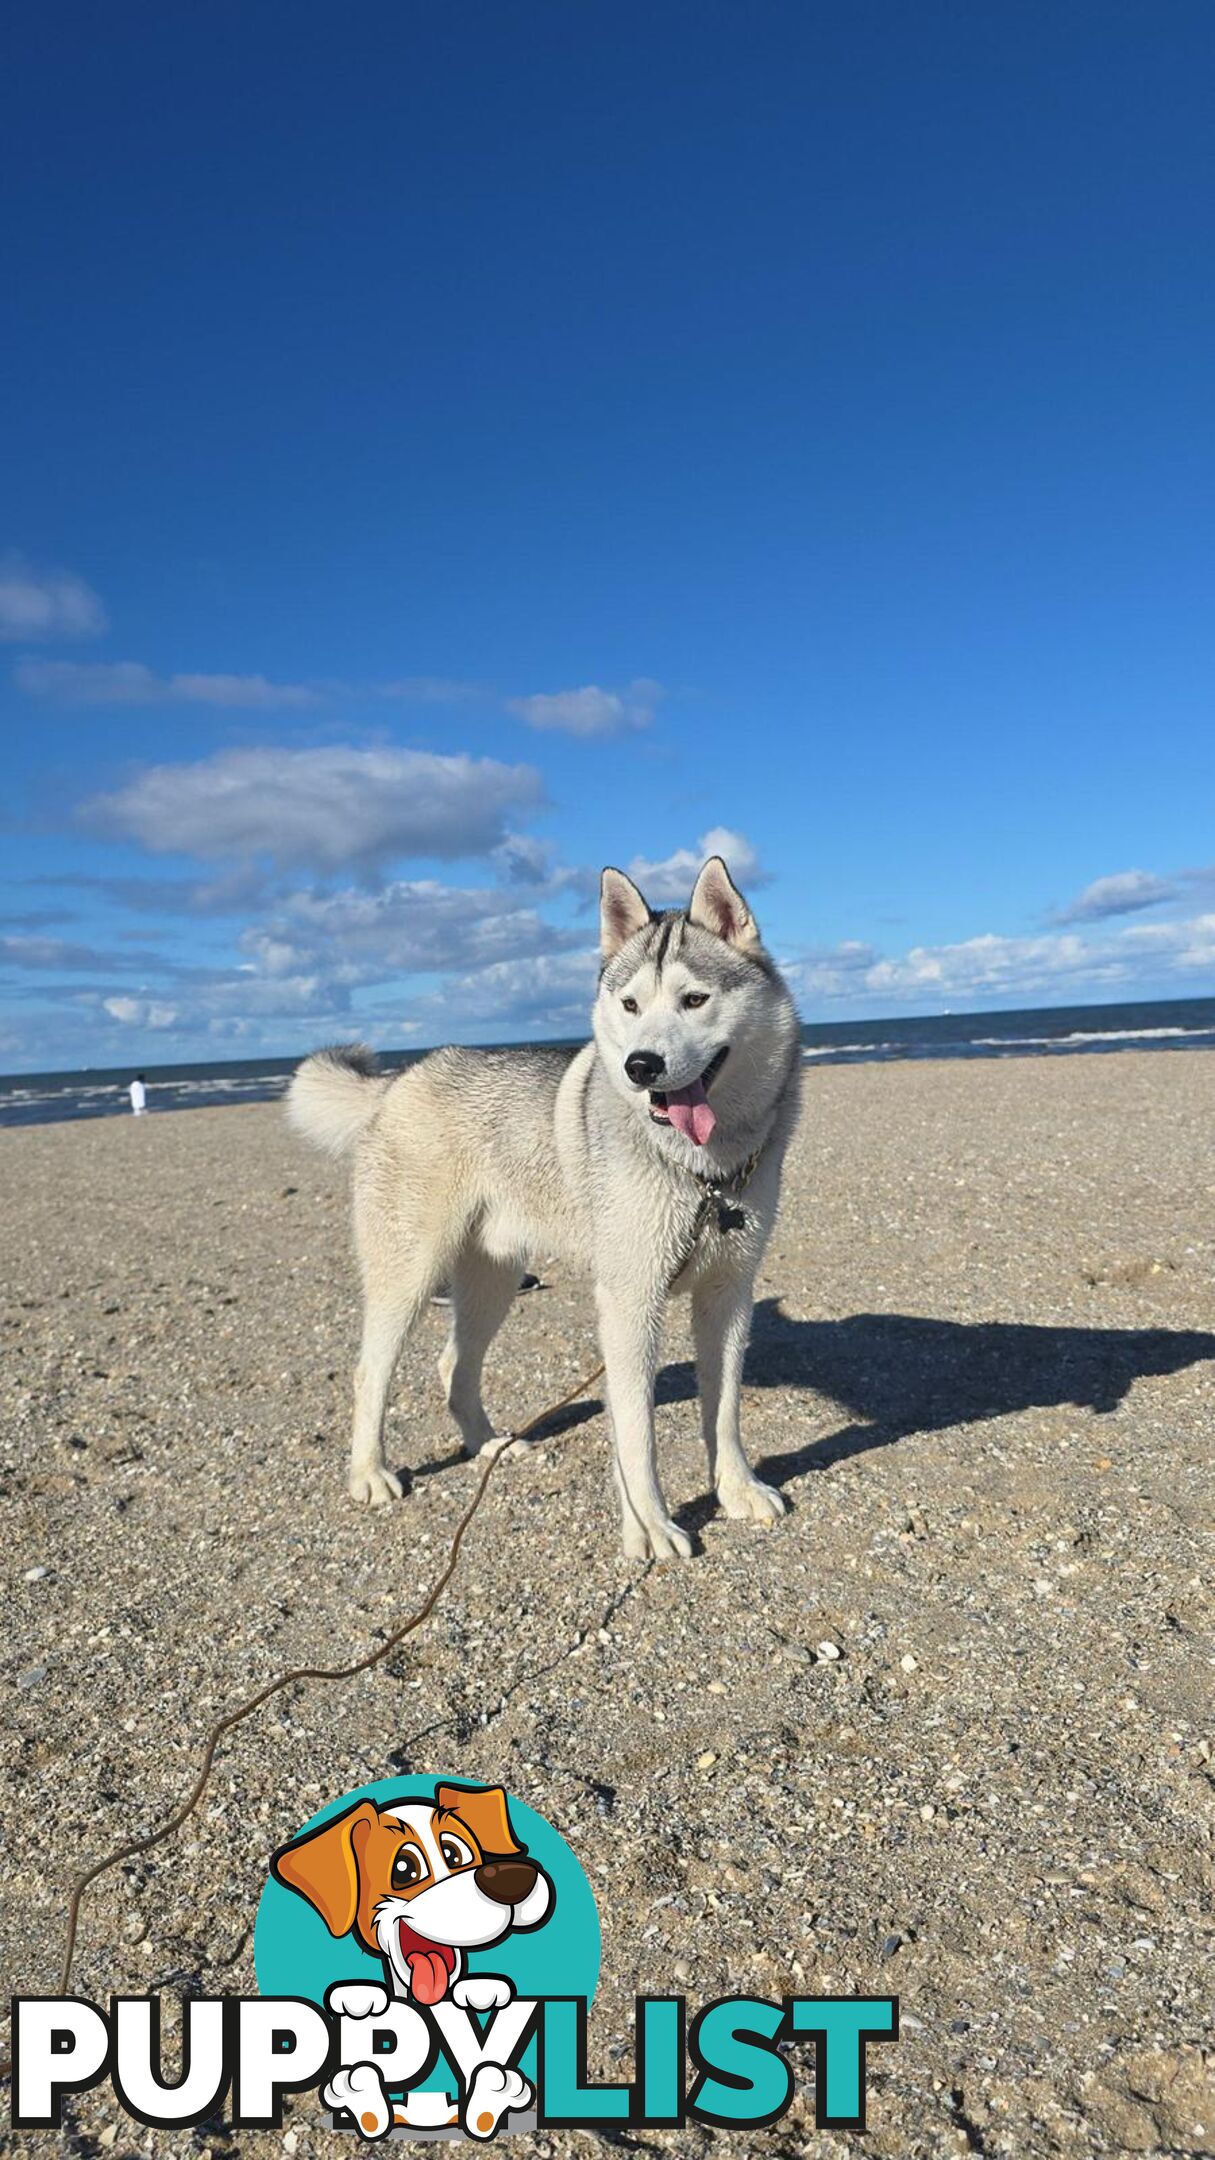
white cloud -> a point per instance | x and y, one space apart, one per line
233 892
1186 947
129 682
420 928
587 712
429 690
987 965
670 880
1122 894
140 1012
34 918
274 997
38 605
551 994
43 953
47 955
590 711
324 809
832 971
205 1001
523 860
982 968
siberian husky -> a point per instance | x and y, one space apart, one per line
652 1157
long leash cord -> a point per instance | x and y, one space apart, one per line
714 1197
245 1709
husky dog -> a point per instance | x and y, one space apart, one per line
652 1157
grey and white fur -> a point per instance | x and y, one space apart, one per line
472 1161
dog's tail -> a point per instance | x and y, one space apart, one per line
335 1094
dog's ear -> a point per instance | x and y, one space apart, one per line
485 1814
622 911
717 905
323 1866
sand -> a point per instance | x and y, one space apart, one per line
981 1371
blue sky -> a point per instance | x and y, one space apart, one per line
450 447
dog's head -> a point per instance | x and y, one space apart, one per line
420 1882
693 1022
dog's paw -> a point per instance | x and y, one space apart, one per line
753 1501
482 1991
360 2090
659 1540
506 1445
494 2092
357 1999
375 1486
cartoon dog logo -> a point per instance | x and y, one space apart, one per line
420 1884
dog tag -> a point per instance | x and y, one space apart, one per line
730 1218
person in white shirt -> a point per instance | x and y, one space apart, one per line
138 1094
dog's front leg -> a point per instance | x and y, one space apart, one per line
721 1323
630 1328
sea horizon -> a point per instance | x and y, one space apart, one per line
1027 1031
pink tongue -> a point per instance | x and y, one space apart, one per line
427 1975
690 1112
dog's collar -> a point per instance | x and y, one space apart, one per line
719 1190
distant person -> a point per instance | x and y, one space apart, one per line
139 1095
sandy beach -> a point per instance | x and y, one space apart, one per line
983 1372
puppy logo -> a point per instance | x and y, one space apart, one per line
439 1886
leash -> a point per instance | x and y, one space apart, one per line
245 1709
716 1193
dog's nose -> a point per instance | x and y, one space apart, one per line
644 1067
507 1882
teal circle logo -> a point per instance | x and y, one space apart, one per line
418 1885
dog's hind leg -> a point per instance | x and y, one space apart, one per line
388 1314
482 1291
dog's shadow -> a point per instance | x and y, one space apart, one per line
898 1374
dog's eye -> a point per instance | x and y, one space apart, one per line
454 1850
630 1005
694 999
407 1868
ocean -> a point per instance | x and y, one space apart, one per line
1055 1031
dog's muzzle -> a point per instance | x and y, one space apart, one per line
507 1882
